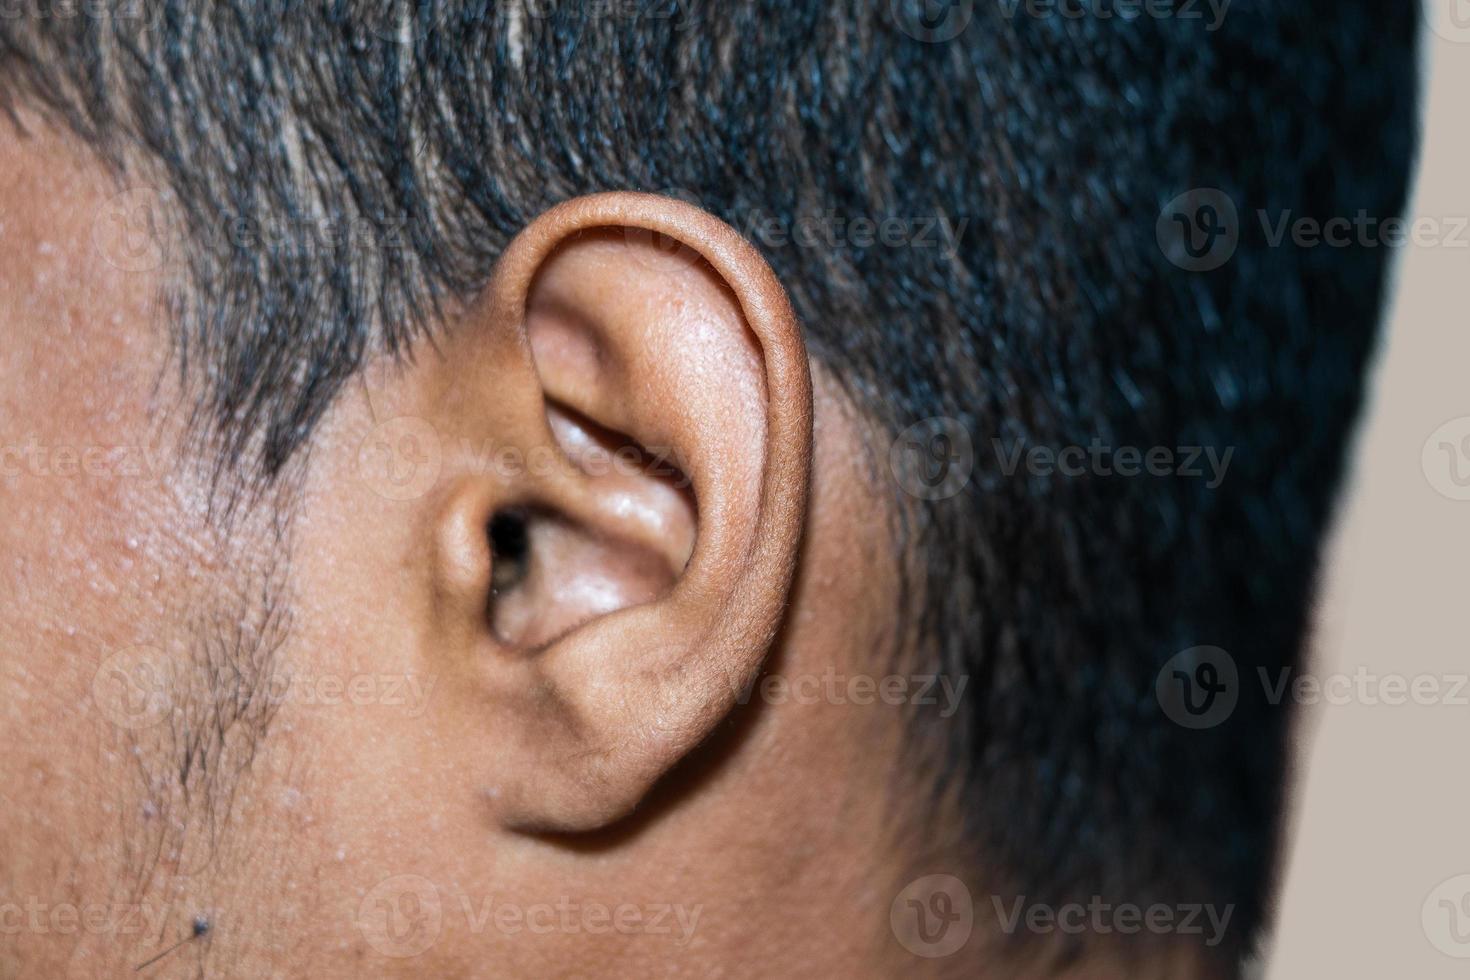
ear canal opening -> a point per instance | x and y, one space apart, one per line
510 548
552 571
551 574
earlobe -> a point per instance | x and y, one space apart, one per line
603 612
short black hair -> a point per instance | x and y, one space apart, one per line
1060 315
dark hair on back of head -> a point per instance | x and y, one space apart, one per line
1055 320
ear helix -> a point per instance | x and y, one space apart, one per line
584 727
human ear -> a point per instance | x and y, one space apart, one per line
610 575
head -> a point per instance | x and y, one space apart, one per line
531 489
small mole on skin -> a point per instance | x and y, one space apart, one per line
201 926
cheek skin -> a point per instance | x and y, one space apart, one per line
81 470
104 551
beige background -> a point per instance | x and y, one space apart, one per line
1383 798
